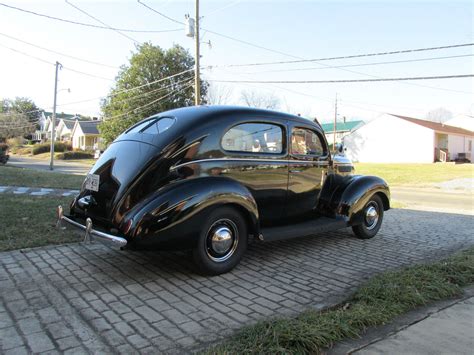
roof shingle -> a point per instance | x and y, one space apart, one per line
436 126
89 127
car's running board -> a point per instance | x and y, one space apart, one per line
319 225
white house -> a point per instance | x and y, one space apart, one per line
64 130
85 135
399 139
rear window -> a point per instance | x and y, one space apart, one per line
153 126
159 126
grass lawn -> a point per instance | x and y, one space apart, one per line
47 156
416 174
379 301
34 178
29 221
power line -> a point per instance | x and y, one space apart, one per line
151 82
213 32
188 81
51 63
160 13
347 56
190 84
223 8
87 74
345 101
343 81
300 59
60 53
305 94
27 55
149 104
87 24
362 64
103 23
121 91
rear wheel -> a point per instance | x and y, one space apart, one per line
373 216
222 241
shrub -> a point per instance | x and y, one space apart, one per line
75 155
45 147
15 142
22 151
3 147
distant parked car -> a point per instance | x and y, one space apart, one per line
4 154
207 178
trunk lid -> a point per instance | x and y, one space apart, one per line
119 166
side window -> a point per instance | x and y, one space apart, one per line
254 137
306 142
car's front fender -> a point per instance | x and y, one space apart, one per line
174 215
347 196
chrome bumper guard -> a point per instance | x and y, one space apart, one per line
89 232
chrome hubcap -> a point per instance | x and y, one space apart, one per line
222 239
371 216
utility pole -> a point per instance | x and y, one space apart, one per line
53 124
335 125
197 83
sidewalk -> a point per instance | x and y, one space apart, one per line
446 327
450 331
37 191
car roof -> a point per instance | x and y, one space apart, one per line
198 113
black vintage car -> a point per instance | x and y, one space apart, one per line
209 178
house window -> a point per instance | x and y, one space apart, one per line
469 144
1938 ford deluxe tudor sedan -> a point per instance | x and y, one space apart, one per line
207 178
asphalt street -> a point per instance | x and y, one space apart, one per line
40 164
436 200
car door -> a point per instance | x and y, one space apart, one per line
308 164
256 156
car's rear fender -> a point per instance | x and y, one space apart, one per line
174 215
352 194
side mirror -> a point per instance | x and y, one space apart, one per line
340 147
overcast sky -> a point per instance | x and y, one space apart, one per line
297 29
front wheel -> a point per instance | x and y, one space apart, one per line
222 241
373 216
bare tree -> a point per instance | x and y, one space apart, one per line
13 124
439 114
254 99
219 94
300 110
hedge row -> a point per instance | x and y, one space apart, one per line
75 155
46 147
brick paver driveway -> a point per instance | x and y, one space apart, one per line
91 298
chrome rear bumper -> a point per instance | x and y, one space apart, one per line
89 232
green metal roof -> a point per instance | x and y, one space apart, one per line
59 115
67 116
341 126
